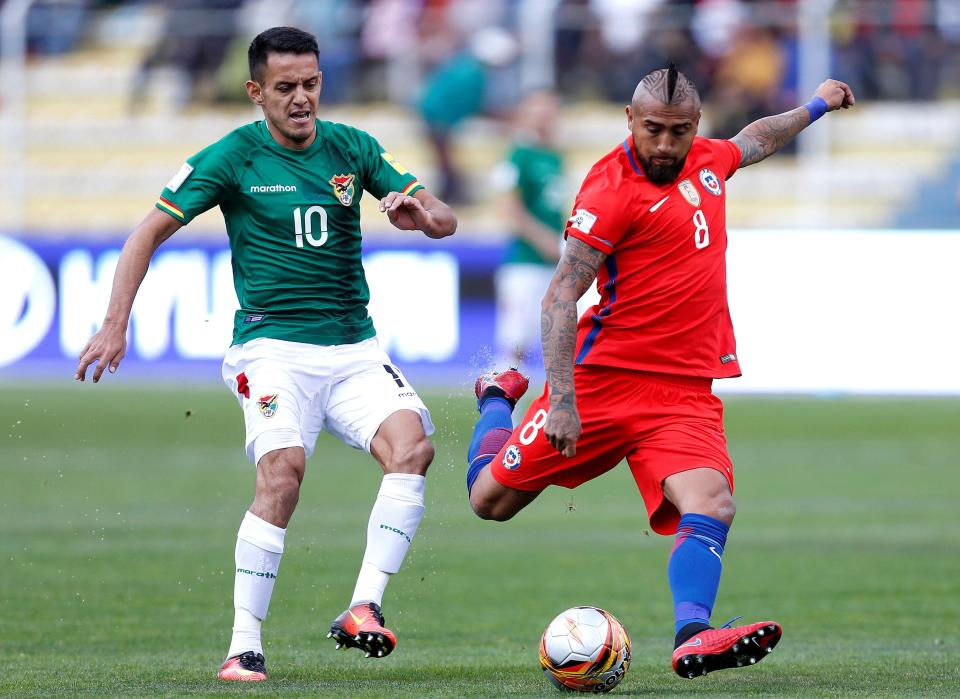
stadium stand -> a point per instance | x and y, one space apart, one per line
93 165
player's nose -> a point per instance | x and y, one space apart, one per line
300 95
665 146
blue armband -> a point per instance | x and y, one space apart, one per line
817 108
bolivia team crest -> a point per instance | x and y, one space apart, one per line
689 192
343 188
268 404
711 182
511 458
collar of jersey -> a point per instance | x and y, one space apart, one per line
632 158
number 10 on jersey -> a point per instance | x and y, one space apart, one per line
303 227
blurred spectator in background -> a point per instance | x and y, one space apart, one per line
571 35
714 23
454 91
623 26
56 26
536 207
948 26
195 40
337 25
897 49
749 81
669 40
388 44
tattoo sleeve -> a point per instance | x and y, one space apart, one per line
768 135
558 318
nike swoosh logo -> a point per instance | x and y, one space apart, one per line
692 643
714 552
658 204
357 619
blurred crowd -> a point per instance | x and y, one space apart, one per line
449 60
741 53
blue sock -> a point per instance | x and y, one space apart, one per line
694 568
491 432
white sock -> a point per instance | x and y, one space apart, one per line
393 523
259 546
246 633
370 584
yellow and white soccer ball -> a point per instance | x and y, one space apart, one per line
585 649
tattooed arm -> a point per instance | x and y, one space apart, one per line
558 320
768 135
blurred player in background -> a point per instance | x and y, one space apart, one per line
535 206
455 90
304 356
633 381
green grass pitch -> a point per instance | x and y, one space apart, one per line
119 507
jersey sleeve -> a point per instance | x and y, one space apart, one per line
199 185
728 156
383 173
598 219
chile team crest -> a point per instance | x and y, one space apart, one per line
711 182
511 458
268 404
343 188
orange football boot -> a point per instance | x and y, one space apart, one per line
362 627
246 667
719 649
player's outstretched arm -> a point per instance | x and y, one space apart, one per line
109 344
766 136
420 212
558 326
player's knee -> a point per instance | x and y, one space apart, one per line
489 508
279 474
721 507
414 457
701 491
281 471
482 508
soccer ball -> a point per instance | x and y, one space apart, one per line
585 649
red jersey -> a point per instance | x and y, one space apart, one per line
663 286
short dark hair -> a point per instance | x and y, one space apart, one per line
279 40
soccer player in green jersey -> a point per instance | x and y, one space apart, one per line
304 356
536 209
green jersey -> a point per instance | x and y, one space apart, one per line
293 219
537 175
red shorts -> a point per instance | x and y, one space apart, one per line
660 424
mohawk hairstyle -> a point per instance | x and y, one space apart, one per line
669 86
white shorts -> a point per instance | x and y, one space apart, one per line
291 391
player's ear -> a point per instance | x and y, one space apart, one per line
254 92
630 117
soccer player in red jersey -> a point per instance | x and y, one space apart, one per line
632 380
